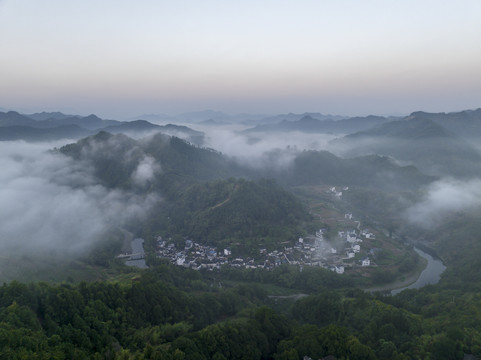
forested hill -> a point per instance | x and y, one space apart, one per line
420 141
372 171
116 157
243 214
200 196
466 124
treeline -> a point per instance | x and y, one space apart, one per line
103 320
309 280
167 313
170 312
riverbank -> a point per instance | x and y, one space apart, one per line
430 274
401 282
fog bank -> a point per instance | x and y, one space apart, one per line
444 198
51 202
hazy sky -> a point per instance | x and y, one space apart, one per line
119 58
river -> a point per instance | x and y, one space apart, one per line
430 275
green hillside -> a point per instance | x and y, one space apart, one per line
242 213
196 201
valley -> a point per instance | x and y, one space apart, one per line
240 180
172 241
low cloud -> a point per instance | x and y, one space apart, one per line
258 150
443 198
52 202
145 171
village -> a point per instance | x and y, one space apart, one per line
312 250
350 248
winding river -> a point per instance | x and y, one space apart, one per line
430 275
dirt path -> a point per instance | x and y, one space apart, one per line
226 200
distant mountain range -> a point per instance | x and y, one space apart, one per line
205 116
466 124
32 134
309 124
140 128
295 117
217 117
51 120
51 115
183 163
416 140
52 126
436 143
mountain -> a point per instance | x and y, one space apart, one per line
201 117
418 141
141 128
308 124
138 127
295 117
225 211
13 118
43 120
154 118
50 115
91 122
373 171
200 197
184 164
183 132
55 125
27 133
114 158
466 124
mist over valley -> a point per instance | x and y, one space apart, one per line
314 208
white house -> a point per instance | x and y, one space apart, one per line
356 248
351 239
339 269
350 255
366 262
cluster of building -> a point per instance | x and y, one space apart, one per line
194 255
317 251
311 251
197 256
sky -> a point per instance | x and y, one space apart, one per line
122 58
